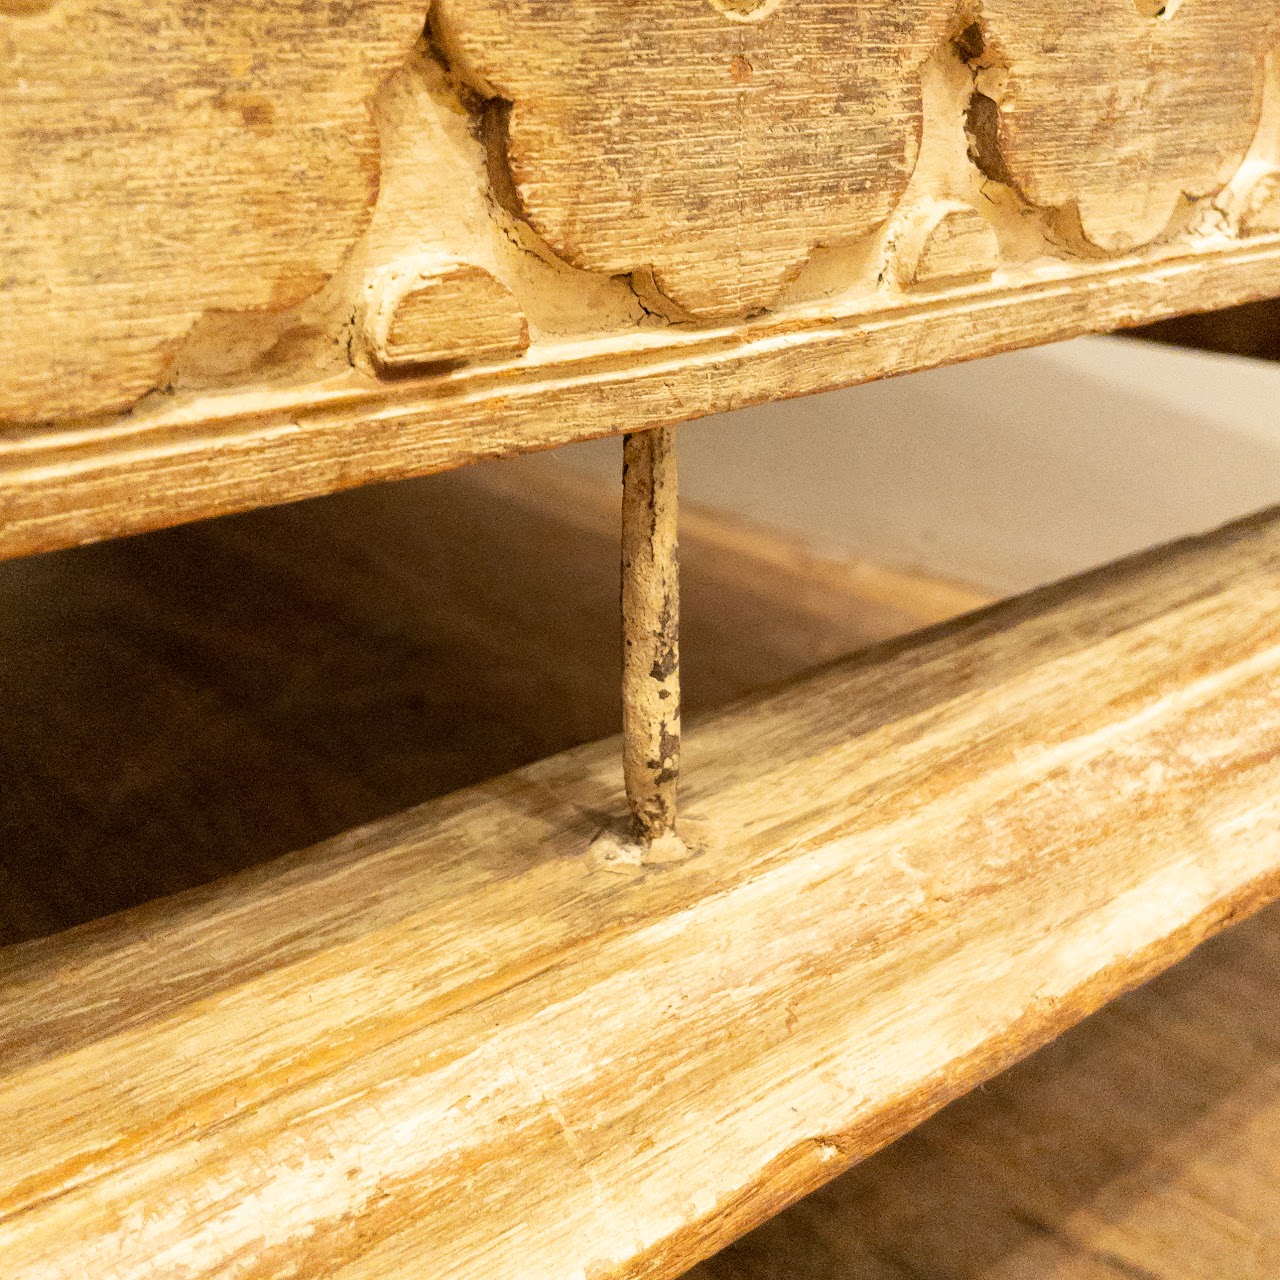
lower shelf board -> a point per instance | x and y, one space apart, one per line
457 1042
1142 1145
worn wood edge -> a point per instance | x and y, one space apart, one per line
165 465
1192 629
798 1173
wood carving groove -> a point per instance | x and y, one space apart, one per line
162 160
1262 212
1113 112
694 204
191 457
945 240
431 310
716 145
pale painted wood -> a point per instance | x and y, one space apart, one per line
648 215
198 454
650 632
1116 112
1263 212
716 145
426 310
1143 1145
1008 473
159 162
377 1057
945 241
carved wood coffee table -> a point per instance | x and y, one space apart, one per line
589 1020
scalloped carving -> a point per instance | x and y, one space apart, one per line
945 241
718 149
1118 110
163 160
431 309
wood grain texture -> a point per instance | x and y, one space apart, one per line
678 209
1144 1145
716 145
159 161
428 310
192 455
1118 111
945 240
186 704
926 862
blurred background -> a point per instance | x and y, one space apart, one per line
1002 473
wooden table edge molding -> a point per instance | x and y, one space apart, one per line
911 869
177 458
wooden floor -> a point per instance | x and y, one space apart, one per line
186 703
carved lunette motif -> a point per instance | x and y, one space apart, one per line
164 163
721 152
717 152
163 159
1115 111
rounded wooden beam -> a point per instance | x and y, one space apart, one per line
650 631
921 864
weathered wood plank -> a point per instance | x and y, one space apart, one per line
920 865
188 457
165 160
616 217
1143 1145
187 704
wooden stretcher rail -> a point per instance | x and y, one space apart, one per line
182 459
1141 1145
458 1043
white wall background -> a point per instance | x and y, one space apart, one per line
1003 473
